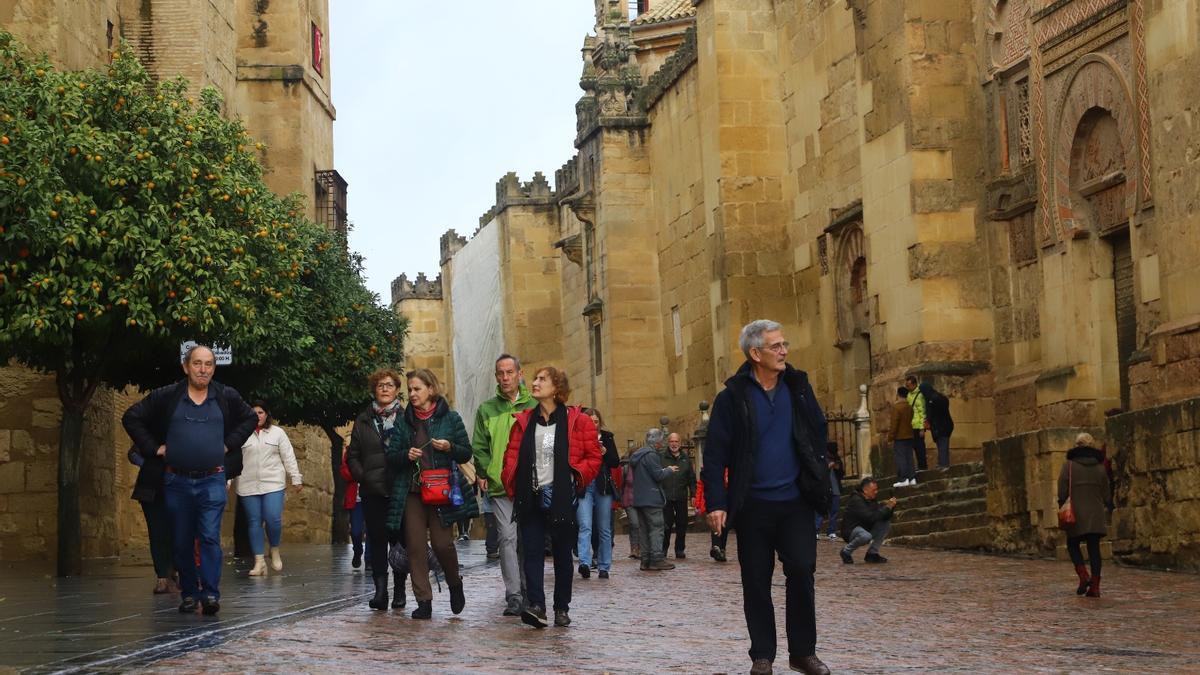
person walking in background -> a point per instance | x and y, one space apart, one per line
767 429
866 521
148 492
196 427
631 520
553 453
916 400
493 423
678 488
1084 481
901 436
837 471
941 423
717 550
595 510
429 442
267 461
352 503
648 473
368 464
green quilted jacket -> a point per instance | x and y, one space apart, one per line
445 424
493 423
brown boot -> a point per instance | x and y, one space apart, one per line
1094 587
1084 580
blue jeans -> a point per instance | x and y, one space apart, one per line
831 526
264 509
600 506
358 525
195 506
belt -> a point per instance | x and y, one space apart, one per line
201 473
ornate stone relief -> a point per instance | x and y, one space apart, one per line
611 78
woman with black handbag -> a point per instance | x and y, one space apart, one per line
553 454
595 510
428 491
1083 484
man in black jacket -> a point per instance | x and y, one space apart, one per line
190 434
865 520
767 429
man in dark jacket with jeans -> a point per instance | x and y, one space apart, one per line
190 434
767 429
865 520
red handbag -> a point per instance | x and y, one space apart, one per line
1066 512
435 486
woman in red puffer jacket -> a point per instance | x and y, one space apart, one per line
353 506
553 454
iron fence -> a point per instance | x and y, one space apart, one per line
843 431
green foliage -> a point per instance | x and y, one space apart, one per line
131 215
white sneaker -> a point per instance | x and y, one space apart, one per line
902 483
833 536
912 482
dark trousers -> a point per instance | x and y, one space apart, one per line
491 542
534 529
357 527
158 527
675 518
1093 549
719 540
943 450
902 450
765 528
375 511
919 449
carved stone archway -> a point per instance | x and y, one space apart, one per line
1095 89
850 290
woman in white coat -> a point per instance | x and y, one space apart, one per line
268 459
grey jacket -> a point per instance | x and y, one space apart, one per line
648 473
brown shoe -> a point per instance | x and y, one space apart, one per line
761 667
809 665
661 566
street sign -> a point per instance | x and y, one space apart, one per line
224 355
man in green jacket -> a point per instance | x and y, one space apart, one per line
493 422
679 488
917 400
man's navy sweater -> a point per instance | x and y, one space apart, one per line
776 466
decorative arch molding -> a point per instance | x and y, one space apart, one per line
1095 81
849 277
1007 32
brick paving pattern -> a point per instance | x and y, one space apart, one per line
924 611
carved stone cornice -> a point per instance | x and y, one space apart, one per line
676 65
572 247
610 80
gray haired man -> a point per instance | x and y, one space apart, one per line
648 500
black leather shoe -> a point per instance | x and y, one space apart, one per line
875 558
380 601
188 606
761 667
680 555
209 606
846 557
424 610
534 616
717 553
603 574
809 665
585 572
457 599
357 560
561 618
399 600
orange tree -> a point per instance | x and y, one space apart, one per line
131 217
321 379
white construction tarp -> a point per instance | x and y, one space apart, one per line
477 308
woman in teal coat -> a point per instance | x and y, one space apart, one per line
431 438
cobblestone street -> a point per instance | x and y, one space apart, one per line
923 611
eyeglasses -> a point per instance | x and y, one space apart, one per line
385 385
778 346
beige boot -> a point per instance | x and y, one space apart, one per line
260 566
276 561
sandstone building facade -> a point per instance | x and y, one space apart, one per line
270 61
998 195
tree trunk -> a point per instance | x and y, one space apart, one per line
339 532
70 529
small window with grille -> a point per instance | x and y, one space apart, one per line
331 200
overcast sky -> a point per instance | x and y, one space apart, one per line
435 102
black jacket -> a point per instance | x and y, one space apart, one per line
862 512
733 439
604 481
366 458
147 422
937 411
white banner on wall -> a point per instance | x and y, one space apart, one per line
477 308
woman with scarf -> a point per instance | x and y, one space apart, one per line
553 454
368 464
429 444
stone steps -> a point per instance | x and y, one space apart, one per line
939 524
947 495
972 538
949 508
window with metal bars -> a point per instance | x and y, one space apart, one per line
331 200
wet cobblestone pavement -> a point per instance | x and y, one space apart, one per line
925 611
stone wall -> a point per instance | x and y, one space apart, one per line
1156 460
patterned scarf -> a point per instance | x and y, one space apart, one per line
385 417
